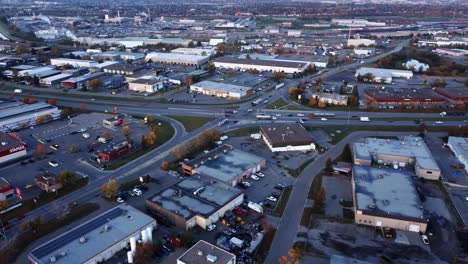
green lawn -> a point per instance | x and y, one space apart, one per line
192 122
165 131
246 131
280 103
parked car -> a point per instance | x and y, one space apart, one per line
275 194
280 186
137 192
168 247
247 183
272 199
120 200
261 175
254 177
425 239
211 227
53 163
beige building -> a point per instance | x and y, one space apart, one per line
331 98
145 85
204 252
387 198
410 153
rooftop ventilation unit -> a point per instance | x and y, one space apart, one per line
83 240
200 253
211 258
4 143
371 206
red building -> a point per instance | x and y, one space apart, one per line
115 150
11 147
454 95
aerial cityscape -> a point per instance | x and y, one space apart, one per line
224 132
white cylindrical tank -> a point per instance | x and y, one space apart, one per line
130 256
144 236
133 244
149 232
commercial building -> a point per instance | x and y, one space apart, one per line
225 164
291 137
220 89
76 63
33 71
459 146
203 252
47 182
145 85
387 198
260 65
54 80
81 82
331 98
410 153
451 52
316 60
195 51
381 75
454 95
11 147
402 97
9 195
176 58
196 200
360 42
118 55
98 239
123 69
441 43
115 150
26 115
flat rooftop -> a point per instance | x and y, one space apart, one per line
460 94
8 142
122 221
57 77
413 147
146 81
462 143
302 58
224 163
179 198
388 193
403 94
220 86
175 57
385 73
249 80
192 255
274 63
24 109
286 135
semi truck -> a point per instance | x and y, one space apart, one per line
264 117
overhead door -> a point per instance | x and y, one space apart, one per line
414 228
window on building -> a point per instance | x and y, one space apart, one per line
9 196
429 172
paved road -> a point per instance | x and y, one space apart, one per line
288 225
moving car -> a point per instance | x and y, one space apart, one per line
300 114
53 163
439 122
120 200
425 239
323 119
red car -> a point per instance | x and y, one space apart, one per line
311 115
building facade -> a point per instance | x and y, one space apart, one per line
145 85
459 146
291 137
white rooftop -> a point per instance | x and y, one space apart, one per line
219 86
384 73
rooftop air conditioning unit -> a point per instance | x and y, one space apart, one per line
211 258
200 253
82 240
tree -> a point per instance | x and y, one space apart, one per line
150 139
331 61
312 101
277 76
144 253
164 166
149 119
196 142
126 130
292 90
191 44
248 57
188 81
347 154
177 152
55 52
83 107
110 189
211 67
215 134
21 50
422 128
106 135
329 166
291 258
95 84
187 239
52 101
3 205
177 87
40 150
73 148
67 178
322 104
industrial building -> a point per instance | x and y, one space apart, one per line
123 68
118 56
291 137
387 198
98 239
21 115
76 63
451 52
11 147
54 80
225 164
459 146
410 153
331 98
8 195
220 89
203 252
81 82
260 65
47 182
454 95
382 75
402 97
317 60
176 58
145 85
360 42
195 51
196 200
33 71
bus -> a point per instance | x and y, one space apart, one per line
264 117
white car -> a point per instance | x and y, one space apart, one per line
120 200
439 122
254 177
425 239
277 115
53 163
247 183
274 117
86 135
82 130
323 119
137 192
272 199
249 110
300 114
211 227
261 175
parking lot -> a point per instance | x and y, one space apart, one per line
64 144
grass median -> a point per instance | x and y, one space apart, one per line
282 202
191 122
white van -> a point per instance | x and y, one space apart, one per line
18 91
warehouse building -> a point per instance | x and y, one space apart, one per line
331 98
387 198
54 80
123 69
25 115
76 63
203 252
459 146
196 200
260 65
34 71
118 55
176 58
98 239
11 147
410 153
388 96
454 95
145 85
382 75
195 51
360 42
292 137
8 196
316 60
225 164
81 82
220 89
